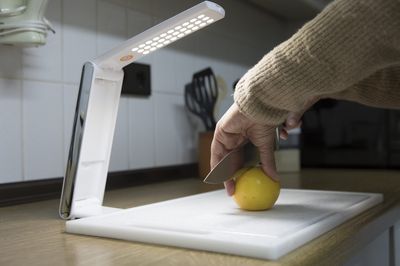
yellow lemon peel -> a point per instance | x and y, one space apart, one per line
255 191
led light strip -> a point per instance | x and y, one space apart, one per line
173 34
162 34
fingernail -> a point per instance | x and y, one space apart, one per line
230 188
275 178
231 191
292 122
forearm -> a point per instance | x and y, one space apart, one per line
382 89
345 44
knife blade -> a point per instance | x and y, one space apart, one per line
245 156
227 167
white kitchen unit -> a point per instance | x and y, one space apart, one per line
375 253
379 241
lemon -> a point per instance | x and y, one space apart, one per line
255 191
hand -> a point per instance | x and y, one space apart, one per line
232 131
294 118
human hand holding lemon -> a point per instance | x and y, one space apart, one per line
254 190
232 131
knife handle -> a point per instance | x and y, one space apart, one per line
277 137
251 156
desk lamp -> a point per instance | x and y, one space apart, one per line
97 107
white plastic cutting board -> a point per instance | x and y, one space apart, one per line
212 221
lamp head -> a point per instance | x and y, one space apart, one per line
163 34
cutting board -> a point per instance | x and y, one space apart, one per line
212 221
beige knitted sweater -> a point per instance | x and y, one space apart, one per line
350 51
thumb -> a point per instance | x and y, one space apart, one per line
294 118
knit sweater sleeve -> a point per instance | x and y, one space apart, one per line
351 43
381 89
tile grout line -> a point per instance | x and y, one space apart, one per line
23 171
97 26
128 103
21 100
41 80
63 85
154 105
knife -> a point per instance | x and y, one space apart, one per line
246 156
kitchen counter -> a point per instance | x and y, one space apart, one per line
32 234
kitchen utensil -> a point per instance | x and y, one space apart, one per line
243 156
204 92
212 221
195 107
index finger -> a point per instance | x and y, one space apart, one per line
223 143
218 152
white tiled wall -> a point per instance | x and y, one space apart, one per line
42 129
39 86
79 37
45 63
10 130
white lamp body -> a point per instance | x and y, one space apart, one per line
97 108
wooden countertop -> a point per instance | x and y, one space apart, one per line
32 234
